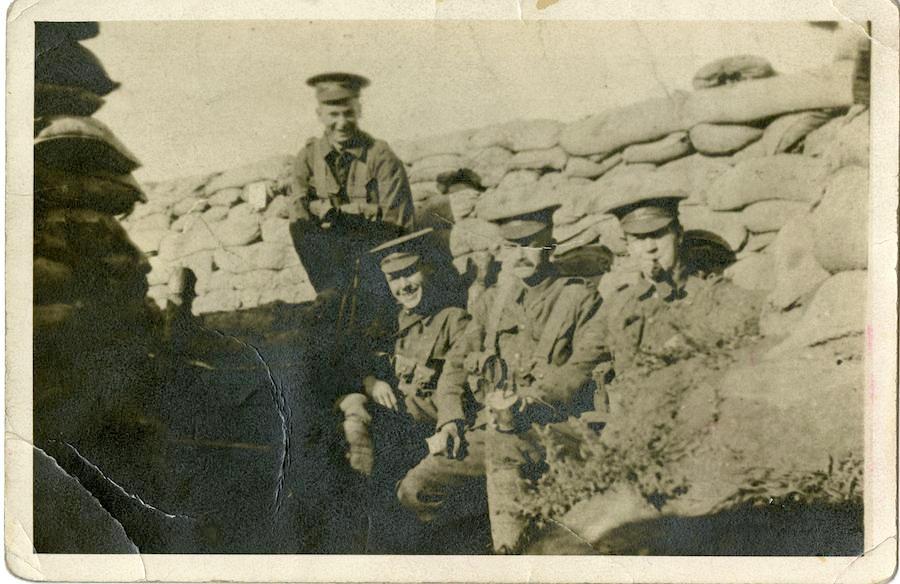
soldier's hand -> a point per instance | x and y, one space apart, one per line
384 395
450 439
320 208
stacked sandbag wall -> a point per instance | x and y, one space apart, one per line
755 150
231 230
93 327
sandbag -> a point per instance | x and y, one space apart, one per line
787 131
462 203
753 272
190 205
50 34
728 226
80 233
214 214
586 168
159 274
771 215
473 235
150 222
612 129
276 169
101 191
818 141
83 145
58 100
258 256
718 139
673 146
148 241
70 64
230 197
851 142
796 272
841 221
434 212
428 169
422 190
411 151
811 409
518 180
757 242
785 177
490 164
49 318
242 226
53 281
732 70
562 232
551 158
519 135
692 174
276 230
624 178
828 87
837 310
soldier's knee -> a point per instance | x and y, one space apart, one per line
408 491
355 405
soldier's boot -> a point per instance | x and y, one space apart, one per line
360 449
503 482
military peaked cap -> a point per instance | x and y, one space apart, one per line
332 87
646 212
401 253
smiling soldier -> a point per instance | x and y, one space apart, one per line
350 191
392 423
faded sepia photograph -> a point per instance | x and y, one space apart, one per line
451 288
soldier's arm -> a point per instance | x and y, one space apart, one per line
449 396
559 384
298 210
394 195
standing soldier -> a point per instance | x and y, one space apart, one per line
529 352
350 192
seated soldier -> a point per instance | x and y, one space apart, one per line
530 350
386 427
640 293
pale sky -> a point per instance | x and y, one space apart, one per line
199 97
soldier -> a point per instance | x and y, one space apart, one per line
661 302
350 190
529 350
386 427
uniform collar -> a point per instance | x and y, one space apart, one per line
357 147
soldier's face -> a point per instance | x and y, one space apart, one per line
339 119
408 286
527 257
656 253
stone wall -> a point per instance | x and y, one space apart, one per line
776 166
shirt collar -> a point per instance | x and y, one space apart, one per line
357 147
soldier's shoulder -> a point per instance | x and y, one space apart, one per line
453 314
622 282
380 148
